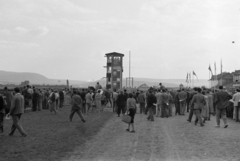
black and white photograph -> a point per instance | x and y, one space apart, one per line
119 80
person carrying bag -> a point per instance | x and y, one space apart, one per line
131 111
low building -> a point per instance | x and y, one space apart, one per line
236 78
143 87
225 79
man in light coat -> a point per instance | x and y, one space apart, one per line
16 111
236 100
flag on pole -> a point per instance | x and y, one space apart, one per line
195 74
215 70
187 78
210 69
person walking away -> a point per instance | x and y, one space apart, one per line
108 97
34 100
52 102
57 99
83 94
76 106
182 99
210 104
121 101
115 96
141 101
188 100
8 97
170 98
151 100
191 108
98 100
40 100
158 96
197 103
177 104
164 104
221 101
61 98
30 95
88 99
16 111
45 99
2 112
205 111
131 110
126 97
236 100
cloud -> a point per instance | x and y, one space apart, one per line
18 45
5 32
20 30
42 31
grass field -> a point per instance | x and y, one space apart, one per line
50 137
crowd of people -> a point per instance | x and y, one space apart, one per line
155 102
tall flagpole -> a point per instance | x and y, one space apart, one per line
129 69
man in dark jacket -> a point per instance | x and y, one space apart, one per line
61 98
191 108
121 102
8 95
221 101
1 113
34 100
151 100
76 106
177 104
198 103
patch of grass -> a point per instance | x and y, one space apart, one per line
50 137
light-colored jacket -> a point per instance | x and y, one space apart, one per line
236 98
158 97
17 105
88 98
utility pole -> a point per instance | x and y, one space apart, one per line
129 67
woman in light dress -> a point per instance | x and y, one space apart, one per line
98 98
205 111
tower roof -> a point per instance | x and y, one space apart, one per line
114 54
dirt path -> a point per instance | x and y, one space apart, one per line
171 139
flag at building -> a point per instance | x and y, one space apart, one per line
215 71
195 74
210 69
187 78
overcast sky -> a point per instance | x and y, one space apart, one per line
68 39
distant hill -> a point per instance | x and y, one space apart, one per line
7 77
152 82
